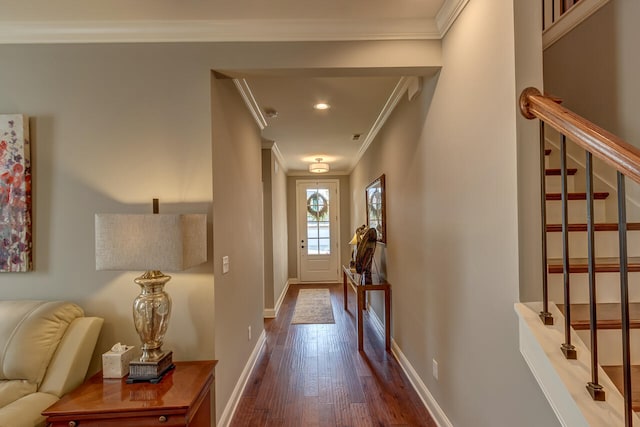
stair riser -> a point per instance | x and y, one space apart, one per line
607 287
606 244
554 184
577 211
610 345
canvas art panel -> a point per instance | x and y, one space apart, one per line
15 194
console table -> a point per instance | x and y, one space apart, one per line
349 277
182 398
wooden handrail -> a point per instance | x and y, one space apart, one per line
621 155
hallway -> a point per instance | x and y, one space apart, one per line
313 375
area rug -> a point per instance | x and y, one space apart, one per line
313 306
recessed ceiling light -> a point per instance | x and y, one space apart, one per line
321 106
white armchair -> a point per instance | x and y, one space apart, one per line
45 350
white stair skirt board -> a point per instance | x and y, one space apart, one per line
607 285
427 398
606 244
234 399
563 381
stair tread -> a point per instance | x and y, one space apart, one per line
604 226
615 374
603 265
600 195
556 171
547 151
608 315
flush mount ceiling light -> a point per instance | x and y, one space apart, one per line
319 166
321 106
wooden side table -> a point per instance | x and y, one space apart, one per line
182 398
349 277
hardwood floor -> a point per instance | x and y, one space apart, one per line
313 375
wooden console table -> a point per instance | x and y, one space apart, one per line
182 398
349 277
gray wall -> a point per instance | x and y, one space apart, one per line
237 228
450 160
595 69
274 181
114 126
346 232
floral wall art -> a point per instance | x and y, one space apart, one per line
15 194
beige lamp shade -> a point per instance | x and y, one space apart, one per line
163 242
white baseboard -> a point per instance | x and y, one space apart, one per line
272 313
294 281
427 398
232 404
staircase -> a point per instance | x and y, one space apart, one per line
607 268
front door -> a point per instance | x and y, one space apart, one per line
318 224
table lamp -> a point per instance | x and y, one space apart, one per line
151 243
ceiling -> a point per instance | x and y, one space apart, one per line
300 132
303 133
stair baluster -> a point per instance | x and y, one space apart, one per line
595 389
625 159
624 299
545 315
568 349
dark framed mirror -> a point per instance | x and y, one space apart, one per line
376 207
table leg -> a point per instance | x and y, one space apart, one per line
387 319
344 285
359 320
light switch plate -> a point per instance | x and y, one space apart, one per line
225 264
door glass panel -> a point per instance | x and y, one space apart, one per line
318 231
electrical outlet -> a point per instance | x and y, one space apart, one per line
249 333
435 369
225 264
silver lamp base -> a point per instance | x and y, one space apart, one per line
151 314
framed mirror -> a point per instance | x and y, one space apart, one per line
376 208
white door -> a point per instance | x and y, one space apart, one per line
318 225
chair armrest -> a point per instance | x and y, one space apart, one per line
68 367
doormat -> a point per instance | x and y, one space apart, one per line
313 306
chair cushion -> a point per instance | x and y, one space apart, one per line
11 390
30 332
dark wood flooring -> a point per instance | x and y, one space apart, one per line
313 375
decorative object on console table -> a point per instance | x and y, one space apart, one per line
15 194
183 399
357 236
153 243
364 255
376 207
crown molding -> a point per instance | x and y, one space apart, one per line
271 145
250 102
240 30
392 101
448 13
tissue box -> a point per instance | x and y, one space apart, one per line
115 364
